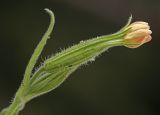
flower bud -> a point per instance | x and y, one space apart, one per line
138 34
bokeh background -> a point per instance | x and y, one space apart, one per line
120 82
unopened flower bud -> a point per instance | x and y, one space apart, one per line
138 34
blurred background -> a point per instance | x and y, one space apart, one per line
120 82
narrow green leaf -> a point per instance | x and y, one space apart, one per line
39 49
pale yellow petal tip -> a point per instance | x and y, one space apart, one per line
138 34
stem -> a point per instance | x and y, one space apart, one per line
16 106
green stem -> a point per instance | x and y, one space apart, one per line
16 106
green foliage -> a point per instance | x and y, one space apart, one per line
56 69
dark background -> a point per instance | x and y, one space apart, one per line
121 82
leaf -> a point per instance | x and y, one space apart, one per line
38 49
